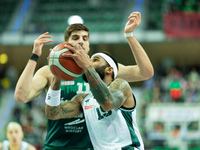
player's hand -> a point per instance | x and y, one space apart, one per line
134 21
79 55
40 41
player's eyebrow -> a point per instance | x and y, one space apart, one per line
96 57
75 35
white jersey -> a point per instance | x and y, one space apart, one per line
6 144
111 130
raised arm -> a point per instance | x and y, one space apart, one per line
143 69
29 87
55 110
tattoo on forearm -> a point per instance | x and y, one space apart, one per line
63 110
54 111
90 74
102 93
98 87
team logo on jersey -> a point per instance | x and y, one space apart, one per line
73 127
87 100
88 107
77 121
68 83
102 114
49 97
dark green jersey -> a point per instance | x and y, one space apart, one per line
69 133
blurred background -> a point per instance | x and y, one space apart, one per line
168 104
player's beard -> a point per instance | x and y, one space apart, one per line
100 71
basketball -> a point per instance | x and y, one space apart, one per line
65 68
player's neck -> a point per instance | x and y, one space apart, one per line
107 81
14 146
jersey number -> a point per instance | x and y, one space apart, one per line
80 88
103 114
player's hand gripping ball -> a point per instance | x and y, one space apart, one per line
65 68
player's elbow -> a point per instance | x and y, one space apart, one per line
116 100
19 98
149 73
107 106
48 116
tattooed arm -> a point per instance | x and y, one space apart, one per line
66 109
118 94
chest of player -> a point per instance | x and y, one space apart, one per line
94 111
71 88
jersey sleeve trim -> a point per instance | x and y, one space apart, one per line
129 109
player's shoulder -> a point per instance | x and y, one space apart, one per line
44 71
120 81
27 145
4 144
31 147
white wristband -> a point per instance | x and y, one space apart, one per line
53 97
128 34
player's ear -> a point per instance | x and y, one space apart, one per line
109 70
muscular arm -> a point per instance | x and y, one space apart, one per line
66 109
143 69
108 98
29 87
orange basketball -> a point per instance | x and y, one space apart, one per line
64 68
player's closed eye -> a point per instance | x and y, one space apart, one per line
95 59
75 37
85 38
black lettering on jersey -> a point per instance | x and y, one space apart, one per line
102 114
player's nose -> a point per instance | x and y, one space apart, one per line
80 43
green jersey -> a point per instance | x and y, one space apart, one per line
69 133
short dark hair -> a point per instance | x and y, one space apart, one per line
74 27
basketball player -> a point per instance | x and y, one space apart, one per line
72 133
15 135
110 110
